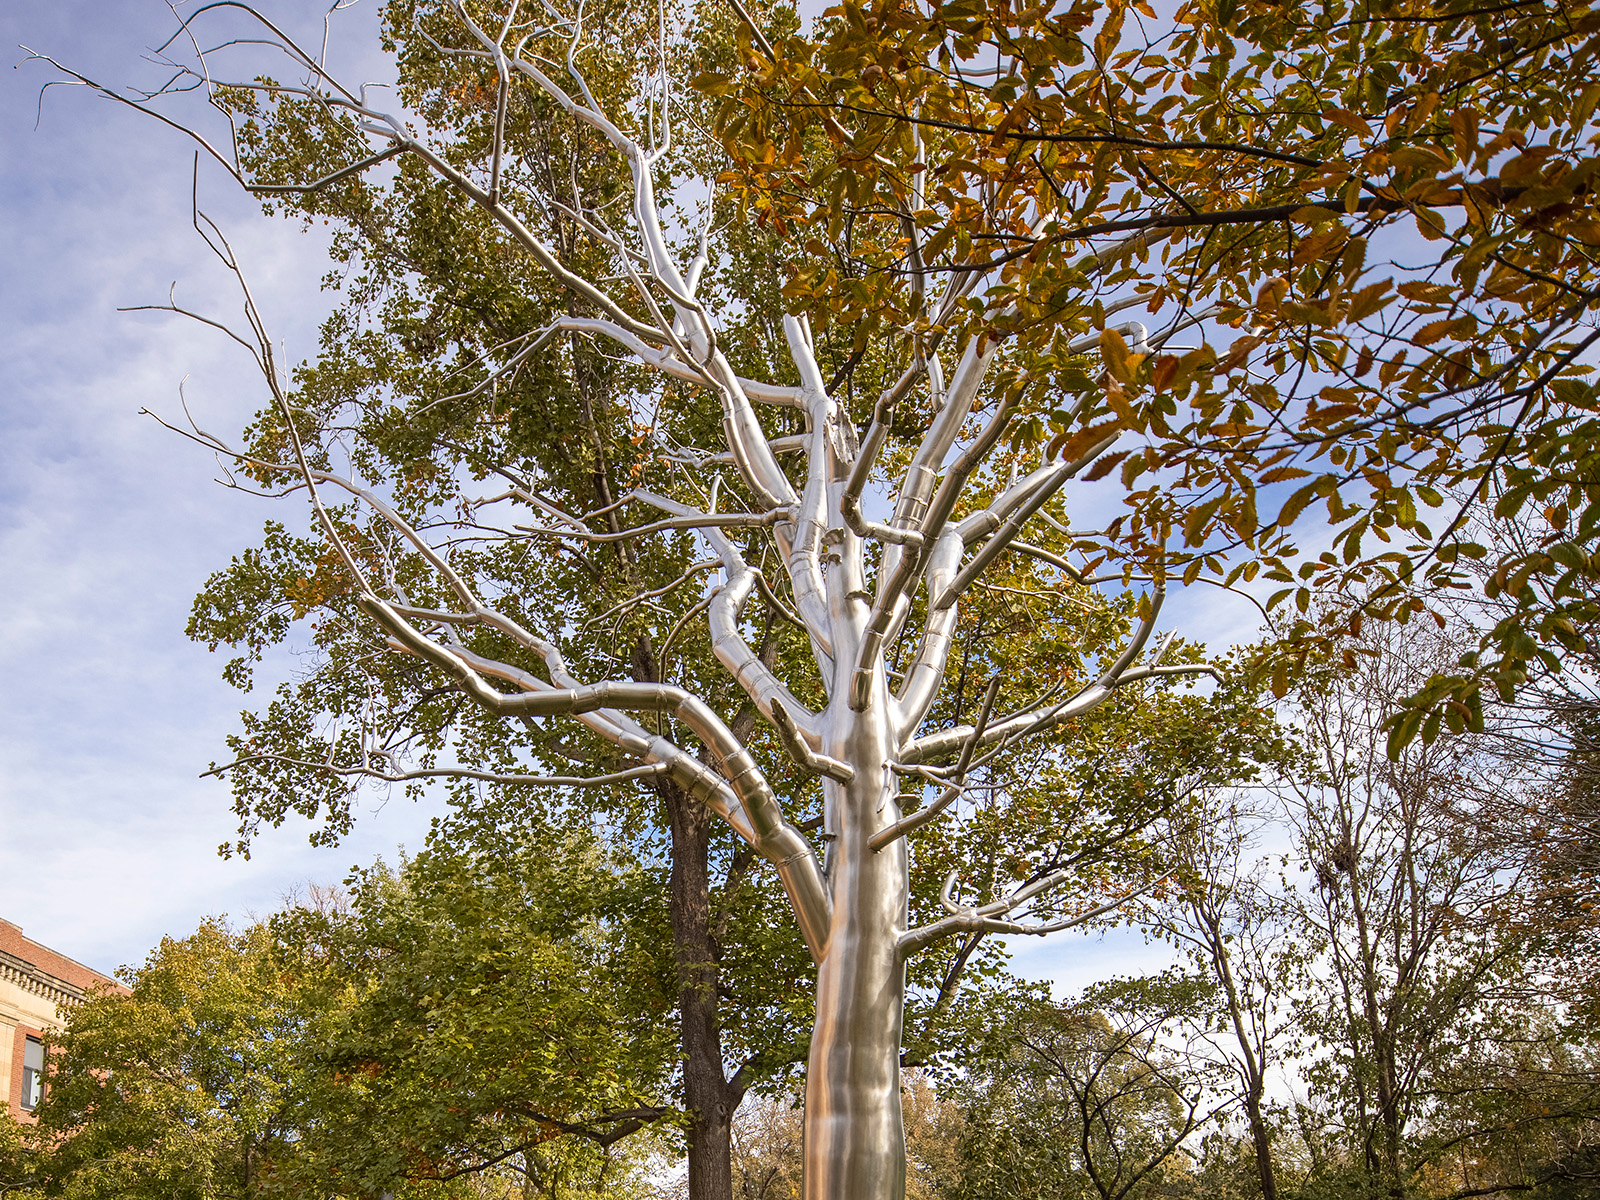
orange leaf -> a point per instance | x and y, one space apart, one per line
1076 445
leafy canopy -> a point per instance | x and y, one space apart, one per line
1359 238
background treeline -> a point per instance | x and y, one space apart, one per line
1383 984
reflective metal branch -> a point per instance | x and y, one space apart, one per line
768 831
939 511
902 563
648 771
1007 514
1012 525
691 520
727 643
866 458
669 363
1118 674
802 547
916 488
803 754
952 793
988 917
923 678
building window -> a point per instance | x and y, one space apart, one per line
32 1074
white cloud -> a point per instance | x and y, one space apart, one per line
109 524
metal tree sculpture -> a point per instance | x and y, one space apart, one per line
857 585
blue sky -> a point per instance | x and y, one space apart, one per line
109 524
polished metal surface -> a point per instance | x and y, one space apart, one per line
854 1137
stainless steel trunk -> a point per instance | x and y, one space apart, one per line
854 1136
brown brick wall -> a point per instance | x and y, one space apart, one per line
57 966
48 961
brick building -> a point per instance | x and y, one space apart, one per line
37 985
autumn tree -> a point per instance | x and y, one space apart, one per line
479 1017
1390 1005
1423 998
426 1034
176 1089
1098 1098
1225 914
1359 238
534 536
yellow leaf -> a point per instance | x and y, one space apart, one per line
1237 353
1419 158
1279 474
1464 124
1104 465
1352 196
1119 360
1369 300
1346 119
1318 245
1271 294
1416 289
1296 504
1585 229
1585 107
1434 331
1081 441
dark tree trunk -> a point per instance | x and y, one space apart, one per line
1261 1140
707 1093
706 1088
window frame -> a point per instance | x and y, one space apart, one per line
32 1076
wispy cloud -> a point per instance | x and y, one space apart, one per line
109 524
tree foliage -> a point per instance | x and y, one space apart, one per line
1391 203
179 1089
462 1026
467 373
482 1012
